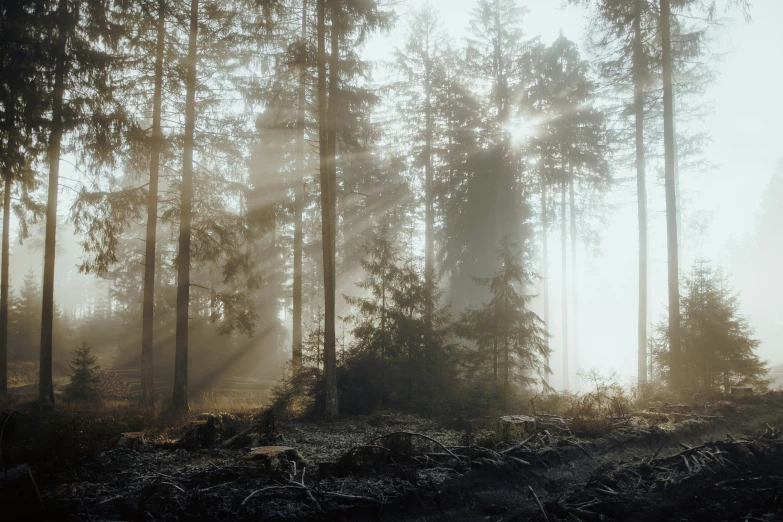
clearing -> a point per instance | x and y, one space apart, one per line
710 460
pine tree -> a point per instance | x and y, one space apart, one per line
299 194
21 136
25 320
460 114
327 211
510 339
574 133
82 61
495 204
372 317
312 354
718 343
399 354
84 376
418 63
180 398
675 379
349 19
147 339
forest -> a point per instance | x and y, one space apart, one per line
354 260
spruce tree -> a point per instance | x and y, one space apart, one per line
22 140
495 206
573 132
417 63
84 376
718 343
79 57
510 339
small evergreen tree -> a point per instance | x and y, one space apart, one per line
510 339
399 354
84 376
717 342
313 345
25 327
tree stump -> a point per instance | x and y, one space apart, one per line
132 439
515 427
269 457
741 392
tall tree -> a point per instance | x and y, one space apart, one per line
84 63
671 202
299 196
639 68
45 385
180 397
327 210
495 205
21 137
544 252
150 258
418 63
670 181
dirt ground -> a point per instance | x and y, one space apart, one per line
720 460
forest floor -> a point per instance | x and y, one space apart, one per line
709 460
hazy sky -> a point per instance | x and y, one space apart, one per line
747 140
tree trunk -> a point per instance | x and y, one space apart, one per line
147 319
429 215
641 190
572 207
7 185
452 205
180 399
326 131
564 289
506 361
4 280
495 358
545 260
675 375
330 348
45 385
299 195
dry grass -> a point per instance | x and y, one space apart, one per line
22 373
245 403
605 407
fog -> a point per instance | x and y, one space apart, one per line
720 197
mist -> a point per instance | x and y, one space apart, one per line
721 197
391 260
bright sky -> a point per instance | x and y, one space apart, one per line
747 140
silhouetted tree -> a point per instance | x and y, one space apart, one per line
718 343
510 339
78 59
84 376
22 100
